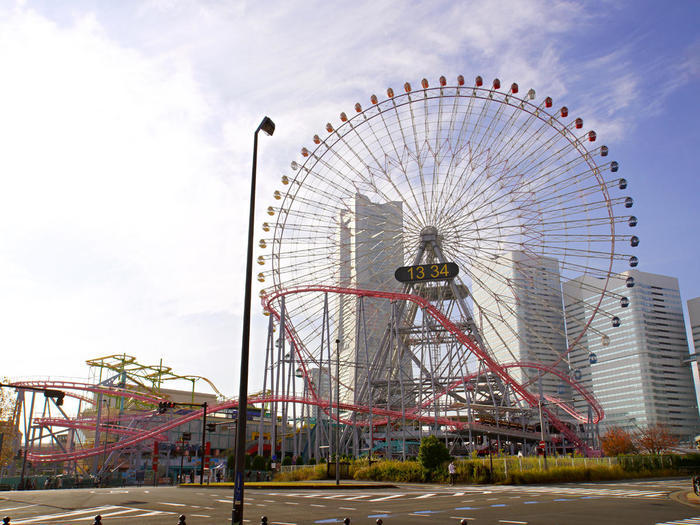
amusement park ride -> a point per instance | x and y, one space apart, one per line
489 202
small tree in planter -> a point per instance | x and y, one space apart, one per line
432 453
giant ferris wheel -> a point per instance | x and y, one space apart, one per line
511 189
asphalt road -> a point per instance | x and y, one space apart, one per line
639 503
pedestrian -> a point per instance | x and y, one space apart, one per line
452 470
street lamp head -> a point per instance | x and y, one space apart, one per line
267 126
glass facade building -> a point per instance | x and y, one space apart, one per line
635 369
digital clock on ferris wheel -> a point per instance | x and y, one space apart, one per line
426 272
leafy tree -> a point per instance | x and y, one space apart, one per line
656 439
618 441
259 463
432 452
287 460
10 435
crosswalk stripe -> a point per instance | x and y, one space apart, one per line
387 497
425 496
17 508
687 521
45 517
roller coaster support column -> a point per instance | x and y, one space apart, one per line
337 411
237 513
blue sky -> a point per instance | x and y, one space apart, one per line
126 133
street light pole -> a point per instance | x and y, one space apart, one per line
237 513
544 450
204 442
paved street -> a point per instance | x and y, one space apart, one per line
648 502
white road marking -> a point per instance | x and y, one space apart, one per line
174 504
358 497
687 521
314 505
17 508
387 497
45 517
424 496
347 508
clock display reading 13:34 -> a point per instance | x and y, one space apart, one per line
426 272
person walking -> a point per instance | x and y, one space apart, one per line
452 471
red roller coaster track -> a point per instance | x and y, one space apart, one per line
134 435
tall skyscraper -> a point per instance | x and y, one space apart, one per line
371 248
634 369
694 319
521 294
694 314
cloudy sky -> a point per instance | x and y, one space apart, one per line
126 137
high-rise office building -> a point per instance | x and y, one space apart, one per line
694 319
631 356
694 314
371 248
519 313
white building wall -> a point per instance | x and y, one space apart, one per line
371 248
519 312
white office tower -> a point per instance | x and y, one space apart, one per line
371 249
694 314
521 294
630 357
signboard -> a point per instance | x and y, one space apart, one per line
426 272
207 453
542 444
187 436
155 456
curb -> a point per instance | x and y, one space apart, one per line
686 497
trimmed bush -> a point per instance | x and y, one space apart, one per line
302 474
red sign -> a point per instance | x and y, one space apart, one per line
155 455
207 453
542 444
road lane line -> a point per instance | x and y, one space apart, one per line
425 496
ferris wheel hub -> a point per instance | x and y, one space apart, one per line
429 233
